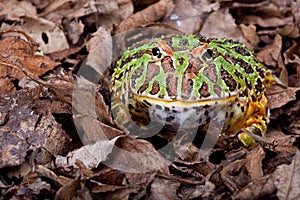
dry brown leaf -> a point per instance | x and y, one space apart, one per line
136 156
279 155
90 112
47 34
257 189
271 53
254 163
19 58
68 191
15 9
198 191
150 14
6 85
104 13
45 172
90 155
16 51
278 95
33 186
296 12
250 34
163 189
25 130
287 179
74 29
234 176
223 26
190 19
100 53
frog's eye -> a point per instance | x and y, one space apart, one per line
156 52
208 54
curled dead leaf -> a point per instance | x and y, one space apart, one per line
150 14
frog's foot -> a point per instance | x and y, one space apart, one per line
255 127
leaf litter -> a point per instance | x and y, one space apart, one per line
42 110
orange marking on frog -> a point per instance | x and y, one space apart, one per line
196 51
163 45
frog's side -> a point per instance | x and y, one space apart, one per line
183 81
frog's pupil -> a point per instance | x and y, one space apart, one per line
156 52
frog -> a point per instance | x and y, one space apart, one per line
183 81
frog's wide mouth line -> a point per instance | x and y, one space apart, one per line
184 103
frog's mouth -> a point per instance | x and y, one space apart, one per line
182 103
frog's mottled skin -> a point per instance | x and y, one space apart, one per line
182 81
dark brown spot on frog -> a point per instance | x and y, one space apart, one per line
170 118
142 88
229 81
248 84
243 109
130 107
200 120
253 98
171 78
196 108
260 72
147 103
194 66
217 90
180 61
185 109
152 71
231 115
187 88
143 105
206 113
167 64
206 106
228 127
155 88
247 67
137 111
238 74
158 107
184 42
167 109
241 50
244 93
211 73
258 85
204 90
171 86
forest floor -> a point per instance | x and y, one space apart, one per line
58 139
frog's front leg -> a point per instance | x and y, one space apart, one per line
256 121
